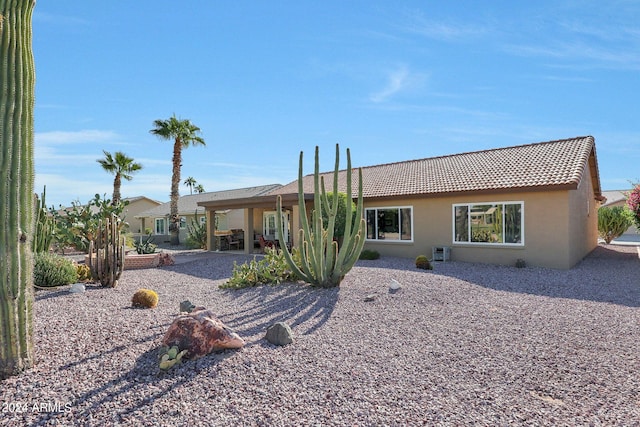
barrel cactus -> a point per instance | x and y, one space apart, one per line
144 298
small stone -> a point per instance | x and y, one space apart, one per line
77 288
394 285
369 298
186 306
279 334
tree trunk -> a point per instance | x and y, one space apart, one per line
17 75
117 183
174 219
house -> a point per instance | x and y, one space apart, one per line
619 198
131 211
536 202
156 219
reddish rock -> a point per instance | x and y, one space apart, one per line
201 333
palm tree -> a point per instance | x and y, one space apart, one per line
122 167
184 134
190 182
199 189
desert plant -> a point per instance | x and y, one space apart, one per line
144 298
423 262
520 263
272 269
369 254
321 262
84 273
52 270
43 233
166 259
184 134
145 247
170 356
106 252
76 226
613 222
17 73
196 234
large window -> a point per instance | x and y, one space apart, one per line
390 223
491 223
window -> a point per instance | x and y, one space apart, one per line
490 223
390 224
159 226
183 222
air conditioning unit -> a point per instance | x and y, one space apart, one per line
441 253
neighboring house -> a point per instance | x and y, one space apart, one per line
536 202
157 219
136 205
619 198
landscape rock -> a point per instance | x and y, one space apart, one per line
201 333
77 288
186 306
394 286
370 298
279 334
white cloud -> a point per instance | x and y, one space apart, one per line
398 80
76 137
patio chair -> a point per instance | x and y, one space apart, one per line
265 243
231 242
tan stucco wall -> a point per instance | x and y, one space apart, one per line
135 208
583 220
548 226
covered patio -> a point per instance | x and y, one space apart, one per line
259 221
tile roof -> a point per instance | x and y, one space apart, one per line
187 204
558 164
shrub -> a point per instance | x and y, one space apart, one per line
272 269
196 234
423 262
144 298
633 203
53 270
520 263
166 259
369 254
613 222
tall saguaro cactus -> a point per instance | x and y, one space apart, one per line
17 80
322 262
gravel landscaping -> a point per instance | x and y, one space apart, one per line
464 344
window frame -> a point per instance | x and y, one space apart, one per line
503 210
399 208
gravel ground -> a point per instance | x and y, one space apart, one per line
465 344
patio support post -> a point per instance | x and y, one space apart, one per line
248 230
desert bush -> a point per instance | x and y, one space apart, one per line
52 270
144 298
423 262
613 222
166 259
272 269
633 203
369 254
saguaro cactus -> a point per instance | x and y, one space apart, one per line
106 252
322 262
17 79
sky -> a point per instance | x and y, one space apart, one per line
391 81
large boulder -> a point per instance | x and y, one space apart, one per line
200 333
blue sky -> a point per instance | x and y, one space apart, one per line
392 81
